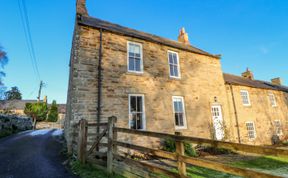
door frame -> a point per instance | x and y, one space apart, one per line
212 119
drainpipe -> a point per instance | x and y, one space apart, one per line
99 99
235 112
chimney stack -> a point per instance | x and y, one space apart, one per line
183 36
81 7
45 99
248 74
276 81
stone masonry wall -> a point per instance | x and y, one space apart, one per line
14 123
260 111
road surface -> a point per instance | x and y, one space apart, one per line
33 154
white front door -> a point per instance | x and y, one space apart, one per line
218 122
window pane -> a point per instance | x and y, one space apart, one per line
175 71
131 48
181 123
136 49
139 121
171 70
170 58
133 122
137 65
131 63
176 107
139 104
131 55
133 104
175 59
180 105
176 119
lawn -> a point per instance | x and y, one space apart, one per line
89 171
268 164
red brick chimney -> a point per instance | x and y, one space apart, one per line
183 36
248 74
81 7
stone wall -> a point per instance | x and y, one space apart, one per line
14 123
260 112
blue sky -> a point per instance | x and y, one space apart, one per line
247 33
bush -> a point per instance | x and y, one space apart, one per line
53 113
214 150
170 146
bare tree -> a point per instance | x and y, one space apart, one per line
3 62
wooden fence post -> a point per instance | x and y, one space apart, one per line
111 123
180 150
82 141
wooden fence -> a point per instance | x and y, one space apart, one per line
179 157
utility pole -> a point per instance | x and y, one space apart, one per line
39 92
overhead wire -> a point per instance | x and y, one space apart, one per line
28 37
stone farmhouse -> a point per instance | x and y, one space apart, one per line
257 109
14 106
156 84
17 107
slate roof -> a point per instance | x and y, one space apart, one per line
20 105
15 104
238 80
101 24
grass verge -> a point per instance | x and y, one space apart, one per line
89 171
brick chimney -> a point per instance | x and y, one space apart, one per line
81 7
276 81
248 74
183 36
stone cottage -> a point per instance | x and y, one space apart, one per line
258 109
156 84
147 82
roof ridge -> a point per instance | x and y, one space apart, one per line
113 27
253 83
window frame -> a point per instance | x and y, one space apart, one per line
141 58
274 98
248 98
129 111
184 113
254 130
280 127
178 64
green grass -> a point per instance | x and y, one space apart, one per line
269 164
89 171
266 163
199 172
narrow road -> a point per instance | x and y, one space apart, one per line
33 154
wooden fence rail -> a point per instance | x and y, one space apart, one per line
180 159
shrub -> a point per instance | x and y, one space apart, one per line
53 112
214 150
170 146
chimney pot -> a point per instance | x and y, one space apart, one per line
183 36
248 74
276 81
